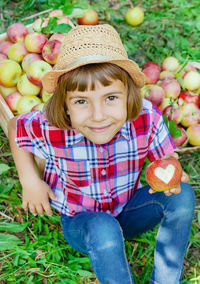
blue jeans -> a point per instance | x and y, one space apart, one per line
101 236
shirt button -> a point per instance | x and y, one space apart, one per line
103 172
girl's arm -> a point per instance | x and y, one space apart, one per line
35 192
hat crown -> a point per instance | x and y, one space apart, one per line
89 41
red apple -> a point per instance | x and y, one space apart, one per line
63 20
134 16
191 114
58 13
4 47
90 17
3 56
29 58
51 50
164 174
17 32
171 87
12 100
151 64
10 71
36 70
189 97
26 103
182 140
57 36
153 93
193 133
152 74
173 112
34 42
191 80
45 95
17 52
170 64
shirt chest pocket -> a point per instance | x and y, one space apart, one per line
74 172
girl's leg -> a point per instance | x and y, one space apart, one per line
174 213
99 235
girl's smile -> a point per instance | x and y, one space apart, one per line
98 114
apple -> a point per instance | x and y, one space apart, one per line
63 20
166 75
51 50
39 23
164 174
17 32
36 70
39 106
10 71
173 112
171 87
3 56
26 103
34 42
191 80
152 74
170 64
189 97
45 95
29 58
153 93
190 114
5 91
90 17
58 13
26 88
151 64
57 36
182 140
4 47
193 133
134 16
12 100
17 51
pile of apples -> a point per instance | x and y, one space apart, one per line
175 89
25 56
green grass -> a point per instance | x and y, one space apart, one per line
37 252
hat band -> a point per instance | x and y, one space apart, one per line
87 59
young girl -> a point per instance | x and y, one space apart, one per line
94 136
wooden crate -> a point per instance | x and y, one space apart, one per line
5 112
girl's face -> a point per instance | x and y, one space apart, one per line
98 114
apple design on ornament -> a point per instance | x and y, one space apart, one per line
164 174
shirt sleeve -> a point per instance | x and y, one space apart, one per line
29 135
160 140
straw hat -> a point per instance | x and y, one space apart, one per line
91 44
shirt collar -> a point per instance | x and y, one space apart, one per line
73 136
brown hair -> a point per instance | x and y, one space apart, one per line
77 79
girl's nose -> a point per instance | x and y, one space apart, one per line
98 112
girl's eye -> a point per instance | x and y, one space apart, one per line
80 102
111 98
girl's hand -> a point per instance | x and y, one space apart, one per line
177 189
35 196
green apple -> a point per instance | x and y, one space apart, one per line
26 88
26 103
10 72
134 16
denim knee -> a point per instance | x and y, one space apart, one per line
102 231
184 202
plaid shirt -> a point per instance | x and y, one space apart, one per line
90 177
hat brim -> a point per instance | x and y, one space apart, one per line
50 79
